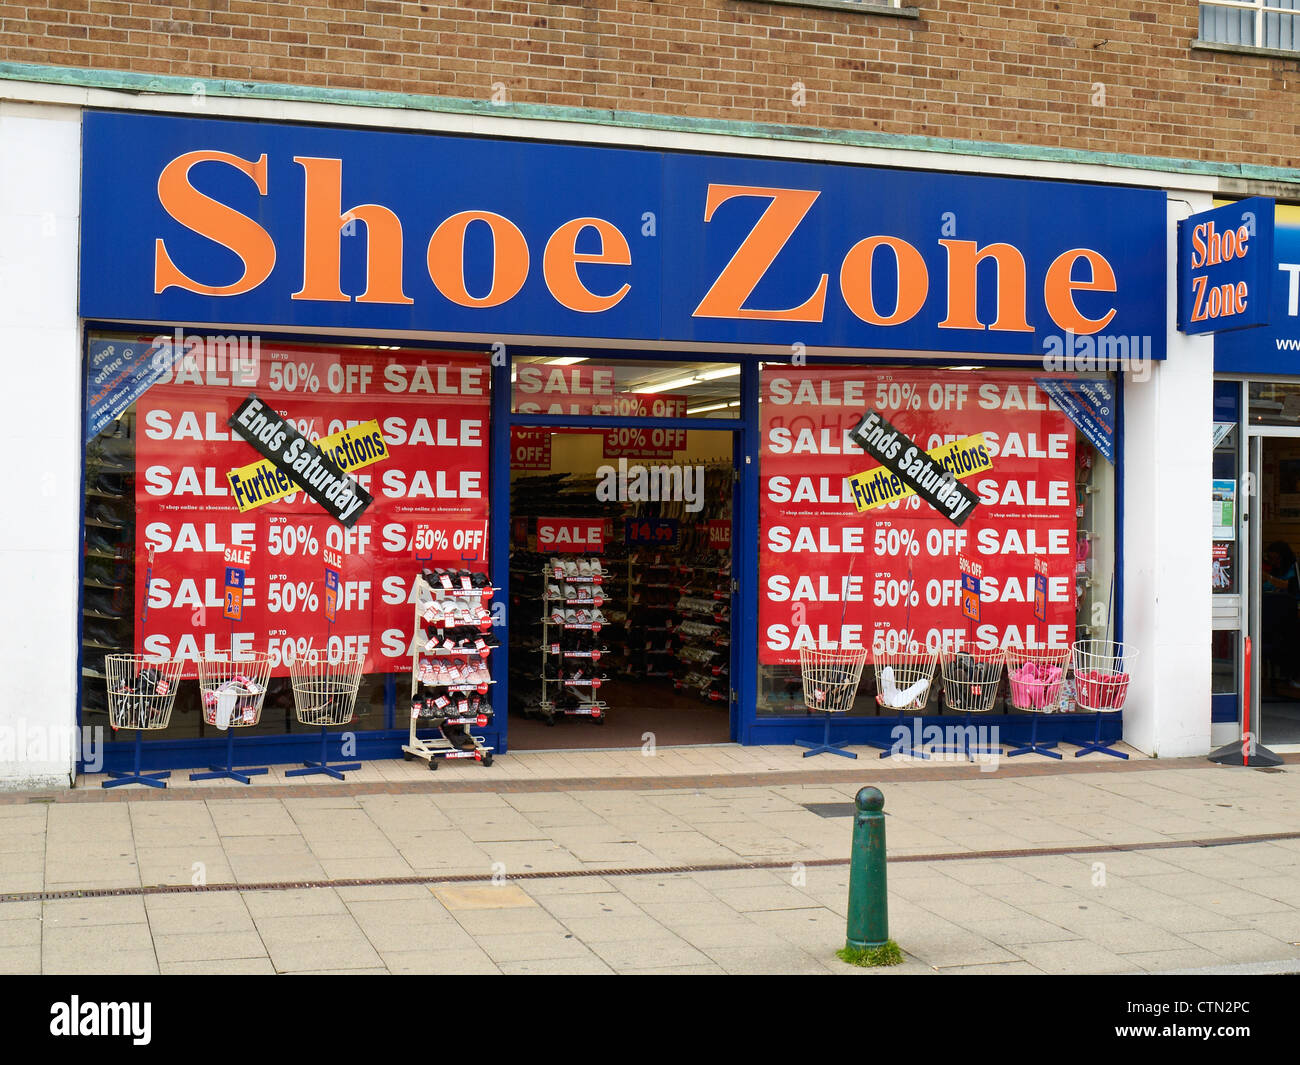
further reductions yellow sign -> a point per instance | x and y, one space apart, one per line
880 486
263 482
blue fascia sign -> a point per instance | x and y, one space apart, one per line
1225 263
1273 349
209 222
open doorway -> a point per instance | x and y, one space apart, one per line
1276 587
621 587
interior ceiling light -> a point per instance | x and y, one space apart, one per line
567 360
726 371
701 410
681 382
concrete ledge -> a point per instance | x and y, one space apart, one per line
866 8
1245 49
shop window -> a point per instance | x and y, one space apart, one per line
1225 489
1274 403
1249 24
576 385
889 576
180 508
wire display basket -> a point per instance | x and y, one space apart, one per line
831 678
233 690
141 690
830 686
1102 670
1036 676
971 679
903 679
325 688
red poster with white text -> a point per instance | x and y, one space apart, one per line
888 578
432 409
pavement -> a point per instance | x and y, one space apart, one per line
685 860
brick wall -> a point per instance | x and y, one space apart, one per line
1109 77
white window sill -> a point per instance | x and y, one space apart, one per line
1244 49
850 5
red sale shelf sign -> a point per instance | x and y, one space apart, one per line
450 541
891 572
575 536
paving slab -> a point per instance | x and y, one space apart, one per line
293 903
530 946
219 967
460 961
1072 956
207 946
23 960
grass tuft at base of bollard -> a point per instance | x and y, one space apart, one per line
887 953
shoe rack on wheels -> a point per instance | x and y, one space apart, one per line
448 690
571 648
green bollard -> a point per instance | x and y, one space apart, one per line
868 897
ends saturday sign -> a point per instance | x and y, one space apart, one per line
905 462
293 459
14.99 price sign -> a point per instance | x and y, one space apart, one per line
891 572
303 578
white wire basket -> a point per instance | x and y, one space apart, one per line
903 679
831 678
325 689
1102 671
971 679
141 690
1035 676
233 691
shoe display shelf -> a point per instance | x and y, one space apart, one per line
571 649
704 627
450 679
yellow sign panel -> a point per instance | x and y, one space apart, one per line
880 486
264 482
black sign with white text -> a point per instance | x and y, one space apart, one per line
295 457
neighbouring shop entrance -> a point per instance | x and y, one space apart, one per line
1270 544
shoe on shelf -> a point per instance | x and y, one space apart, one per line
106 515
102 636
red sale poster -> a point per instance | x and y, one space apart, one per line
592 389
530 449
888 578
306 578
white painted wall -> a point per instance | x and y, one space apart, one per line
40 427
1167 535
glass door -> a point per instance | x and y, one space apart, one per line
1271 578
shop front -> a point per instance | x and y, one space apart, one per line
611 407
1256 506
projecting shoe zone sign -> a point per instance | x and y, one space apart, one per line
215 221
